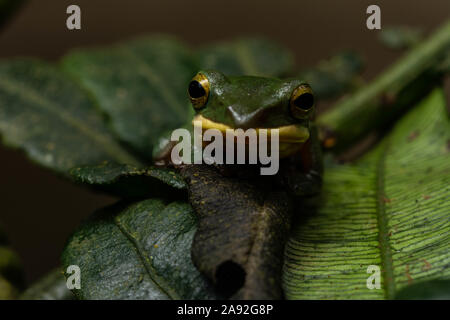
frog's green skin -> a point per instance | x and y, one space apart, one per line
249 102
257 102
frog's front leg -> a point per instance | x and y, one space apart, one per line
302 173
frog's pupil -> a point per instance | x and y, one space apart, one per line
305 101
196 90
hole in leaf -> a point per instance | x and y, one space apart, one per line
230 277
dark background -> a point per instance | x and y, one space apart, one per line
38 210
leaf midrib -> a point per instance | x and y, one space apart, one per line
110 146
383 228
151 272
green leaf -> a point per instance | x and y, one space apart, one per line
141 85
45 114
390 209
400 37
129 181
51 287
11 275
333 77
138 251
247 56
429 290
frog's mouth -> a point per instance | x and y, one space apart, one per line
290 137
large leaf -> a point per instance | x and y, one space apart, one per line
247 56
141 85
48 116
128 181
140 251
391 210
334 76
401 37
11 276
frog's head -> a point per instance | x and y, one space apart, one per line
245 102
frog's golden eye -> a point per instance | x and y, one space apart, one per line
302 101
198 91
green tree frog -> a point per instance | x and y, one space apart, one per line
231 102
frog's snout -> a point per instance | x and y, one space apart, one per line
246 120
